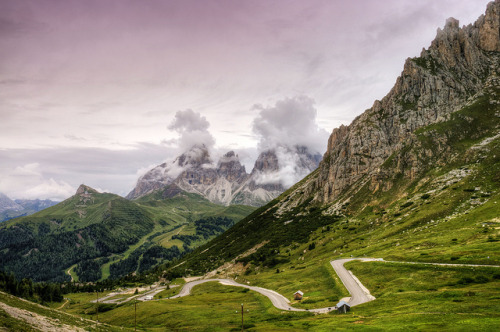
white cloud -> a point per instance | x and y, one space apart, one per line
290 122
292 169
193 130
28 182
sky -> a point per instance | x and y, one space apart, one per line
98 92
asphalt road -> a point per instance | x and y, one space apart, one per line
359 293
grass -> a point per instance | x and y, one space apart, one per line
317 280
419 297
61 317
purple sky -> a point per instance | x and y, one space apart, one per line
89 90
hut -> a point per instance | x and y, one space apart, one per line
298 295
343 307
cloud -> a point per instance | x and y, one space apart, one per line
291 169
28 182
290 122
193 130
284 127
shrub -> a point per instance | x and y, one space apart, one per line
405 205
465 280
481 279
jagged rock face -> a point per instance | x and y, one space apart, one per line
154 179
489 28
266 163
225 183
229 167
430 88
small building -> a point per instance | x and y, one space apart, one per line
298 295
343 307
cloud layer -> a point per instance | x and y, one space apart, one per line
193 130
290 122
29 182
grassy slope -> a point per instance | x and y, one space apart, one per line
175 216
128 226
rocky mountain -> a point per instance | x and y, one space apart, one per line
7 204
415 177
387 141
21 207
227 182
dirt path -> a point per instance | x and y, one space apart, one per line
69 273
62 305
37 321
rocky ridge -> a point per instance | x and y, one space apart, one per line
7 204
226 182
460 66
10 209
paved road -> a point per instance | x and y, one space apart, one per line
359 293
140 297
278 300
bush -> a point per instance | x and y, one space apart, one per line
425 196
465 280
481 279
405 205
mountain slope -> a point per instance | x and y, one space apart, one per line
421 163
96 231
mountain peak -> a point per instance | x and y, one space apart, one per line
430 89
229 167
196 156
84 189
7 204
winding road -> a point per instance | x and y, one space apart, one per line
359 294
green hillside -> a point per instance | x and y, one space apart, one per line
97 235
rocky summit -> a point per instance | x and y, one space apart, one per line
227 182
460 66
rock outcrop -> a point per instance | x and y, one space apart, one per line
453 71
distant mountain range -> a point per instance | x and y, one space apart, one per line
10 209
227 182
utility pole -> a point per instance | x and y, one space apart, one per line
135 315
97 308
242 317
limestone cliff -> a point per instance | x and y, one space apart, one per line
454 71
